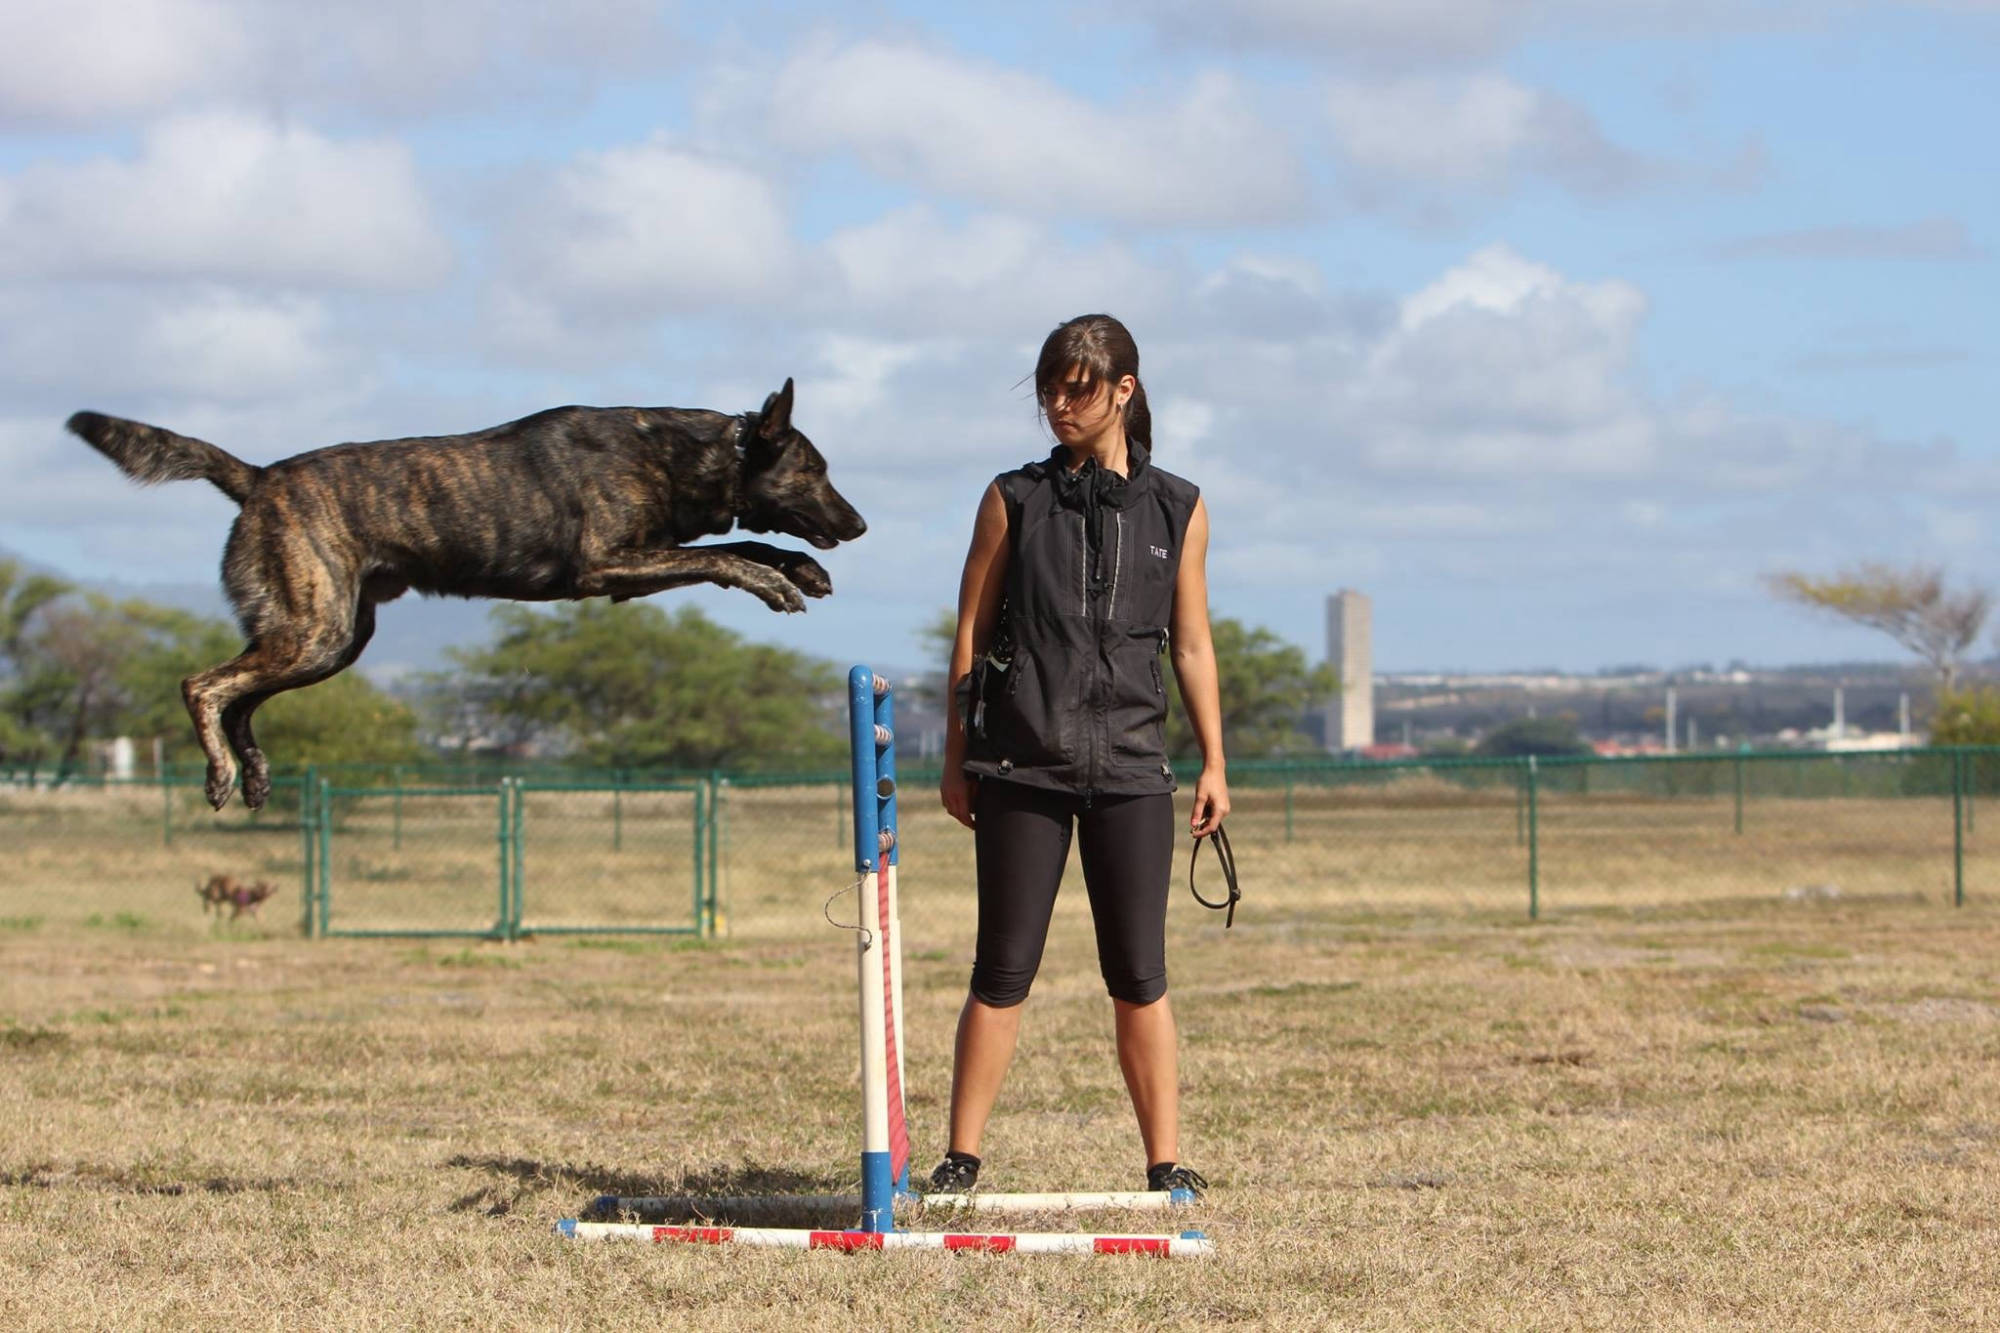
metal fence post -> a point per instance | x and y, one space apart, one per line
618 812
501 836
308 814
717 789
700 839
396 838
1520 812
1739 795
1534 848
1971 786
520 863
166 811
1289 776
325 885
718 916
1958 828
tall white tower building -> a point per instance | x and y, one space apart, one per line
1350 718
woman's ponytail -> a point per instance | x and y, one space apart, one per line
1139 417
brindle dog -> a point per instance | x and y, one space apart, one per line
569 503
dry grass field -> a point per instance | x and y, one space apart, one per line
1681 1099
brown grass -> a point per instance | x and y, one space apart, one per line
1679 1100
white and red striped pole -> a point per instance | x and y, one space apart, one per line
1186 1245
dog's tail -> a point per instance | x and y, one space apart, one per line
148 454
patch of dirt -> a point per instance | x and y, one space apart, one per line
1574 954
1941 1009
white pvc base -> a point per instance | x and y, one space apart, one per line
702 1205
1083 1202
1185 1246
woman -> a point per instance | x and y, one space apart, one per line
1084 568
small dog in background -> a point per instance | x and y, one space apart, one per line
228 891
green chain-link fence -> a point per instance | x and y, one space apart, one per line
756 856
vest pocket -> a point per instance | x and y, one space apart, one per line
1138 712
1023 723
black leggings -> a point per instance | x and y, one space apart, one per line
1022 839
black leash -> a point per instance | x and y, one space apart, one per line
1223 854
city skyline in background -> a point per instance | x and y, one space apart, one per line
1553 327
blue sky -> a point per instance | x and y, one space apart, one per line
1553 326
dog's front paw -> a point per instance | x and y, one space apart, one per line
776 593
808 575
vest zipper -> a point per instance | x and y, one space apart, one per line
1082 567
1093 685
1117 564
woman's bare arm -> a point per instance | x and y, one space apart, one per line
1194 667
979 590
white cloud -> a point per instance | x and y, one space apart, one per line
994 135
1361 30
646 229
227 197
181 342
81 61
1941 239
225 345
1477 132
912 269
1380 35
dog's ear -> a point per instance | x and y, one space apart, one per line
776 418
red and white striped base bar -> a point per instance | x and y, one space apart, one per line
1187 1245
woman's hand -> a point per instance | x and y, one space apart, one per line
1211 803
958 792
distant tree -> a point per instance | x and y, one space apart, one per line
1967 717
1266 688
628 685
345 720
72 682
937 636
1533 736
1908 603
21 595
81 667
23 598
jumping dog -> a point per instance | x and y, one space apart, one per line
569 503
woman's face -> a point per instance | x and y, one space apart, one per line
1080 409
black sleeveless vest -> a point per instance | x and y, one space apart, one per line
1070 695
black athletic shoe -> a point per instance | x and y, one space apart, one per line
1174 1176
956 1174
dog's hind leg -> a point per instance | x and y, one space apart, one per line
286 653
236 715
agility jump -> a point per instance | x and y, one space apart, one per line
885 1138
